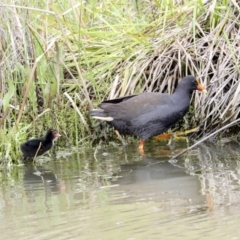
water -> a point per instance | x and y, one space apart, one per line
115 194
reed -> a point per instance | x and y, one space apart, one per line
59 60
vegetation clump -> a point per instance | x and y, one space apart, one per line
59 60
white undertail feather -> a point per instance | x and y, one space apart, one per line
101 115
108 119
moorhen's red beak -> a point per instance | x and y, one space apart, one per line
200 87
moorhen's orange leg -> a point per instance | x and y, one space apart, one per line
183 135
176 135
140 147
163 136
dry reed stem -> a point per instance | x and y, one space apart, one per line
207 137
78 111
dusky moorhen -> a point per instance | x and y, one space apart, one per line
148 114
36 147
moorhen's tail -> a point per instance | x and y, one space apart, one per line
100 114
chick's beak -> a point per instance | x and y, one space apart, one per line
200 87
57 134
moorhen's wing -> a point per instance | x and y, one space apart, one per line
116 100
33 145
138 105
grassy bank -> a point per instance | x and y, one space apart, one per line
60 59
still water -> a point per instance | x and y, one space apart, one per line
116 194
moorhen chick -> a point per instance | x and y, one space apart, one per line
148 114
36 147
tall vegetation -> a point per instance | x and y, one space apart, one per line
60 58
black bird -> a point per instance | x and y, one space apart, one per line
148 114
36 147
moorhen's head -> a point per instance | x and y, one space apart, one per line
191 84
52 134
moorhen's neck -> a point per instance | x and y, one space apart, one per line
49 137
182 94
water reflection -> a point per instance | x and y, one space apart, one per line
121 195
154 180
39 175
218 170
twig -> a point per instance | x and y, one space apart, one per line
39 147
78 111
207 137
